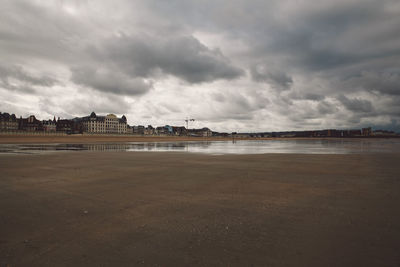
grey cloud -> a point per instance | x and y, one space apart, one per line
239 106
392 107
334 40
354 119
385 82
310 52
308 34
18 88
305 95
240 102
356 104
218 97
234 106
316 36
181 56
15 78
277 78
31 30
325 107
103 105
83 106
109 81
18 73
315 97
223 117
171 108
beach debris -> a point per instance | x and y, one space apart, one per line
85 212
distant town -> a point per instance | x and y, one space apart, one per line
112 125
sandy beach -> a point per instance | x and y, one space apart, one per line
177 209
78 138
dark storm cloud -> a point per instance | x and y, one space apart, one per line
392 107
314 97
305 95
335 40
356 104
384 82
109 81
181 56
32 30
326 108
298 60
18 73
15 78
53 33
329 35
277 78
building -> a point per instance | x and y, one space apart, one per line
149 130
109 124
30 124
50 126
8 122
129 129
366 131
139 129
384 133
179 130
203 132
163 130
65 126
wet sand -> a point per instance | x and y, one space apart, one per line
177 209
78 138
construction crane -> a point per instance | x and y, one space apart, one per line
187 122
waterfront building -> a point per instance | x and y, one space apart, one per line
179 130
129 129
65 126
30 124
366 131
203 132
149 130
49 125
109 124
384 133
164 130
8 122
139 129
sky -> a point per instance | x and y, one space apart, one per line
232 65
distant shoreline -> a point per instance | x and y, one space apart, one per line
78 138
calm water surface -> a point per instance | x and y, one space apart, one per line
340 146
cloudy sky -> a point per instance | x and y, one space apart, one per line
233 65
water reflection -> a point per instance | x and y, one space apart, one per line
328 146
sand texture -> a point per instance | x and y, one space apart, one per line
178 209
78 138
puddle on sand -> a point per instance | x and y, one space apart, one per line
328 146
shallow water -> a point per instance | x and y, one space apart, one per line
328 146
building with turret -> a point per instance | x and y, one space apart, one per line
109 124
